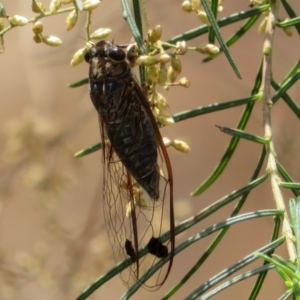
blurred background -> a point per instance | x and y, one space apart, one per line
53 242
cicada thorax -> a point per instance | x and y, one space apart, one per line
134 189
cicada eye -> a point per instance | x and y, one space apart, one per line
116 54
87 56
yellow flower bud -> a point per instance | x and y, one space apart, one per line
263 25
181 47
172 74
162 74
165 58
155 34
78 57
101 33
89 5
2 48
17 20
195 4
37 39
38 8
187 6
1 24
54 6
51 40
37 27
184 82
288 31
66 1
146 60
167 142
162 102
203 18
176 63
152 73
71 19
208 49
181 146
165 120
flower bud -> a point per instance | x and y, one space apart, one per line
162 74
71 19
167 142
184 82
155 34
187 6
1 24
2 48
208 49
146 60
176 63
181 47
172 74
38 8
37 27
165 120
54 6
195 4
162 102
78 57
263 25
181 146
288 31
164 58
89 5
37 39
51 40
101 33
152 74
17 20
203 18
66 1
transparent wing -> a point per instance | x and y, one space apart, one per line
134 219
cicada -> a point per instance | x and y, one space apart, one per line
137 177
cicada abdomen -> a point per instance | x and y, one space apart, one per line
138 184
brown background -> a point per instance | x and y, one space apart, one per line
53 244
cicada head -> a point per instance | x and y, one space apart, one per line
106 61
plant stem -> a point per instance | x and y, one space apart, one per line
267 106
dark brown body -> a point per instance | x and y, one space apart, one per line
136 195
127 125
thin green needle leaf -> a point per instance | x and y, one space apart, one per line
295 214
286 177
211 32
220 235
287 99
233 143
242 134
191 34
215 27
234 38
279 265
132 25
290 185
89 150
79 83
234 268
213 107
289 23
290 12
285 86
262 276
